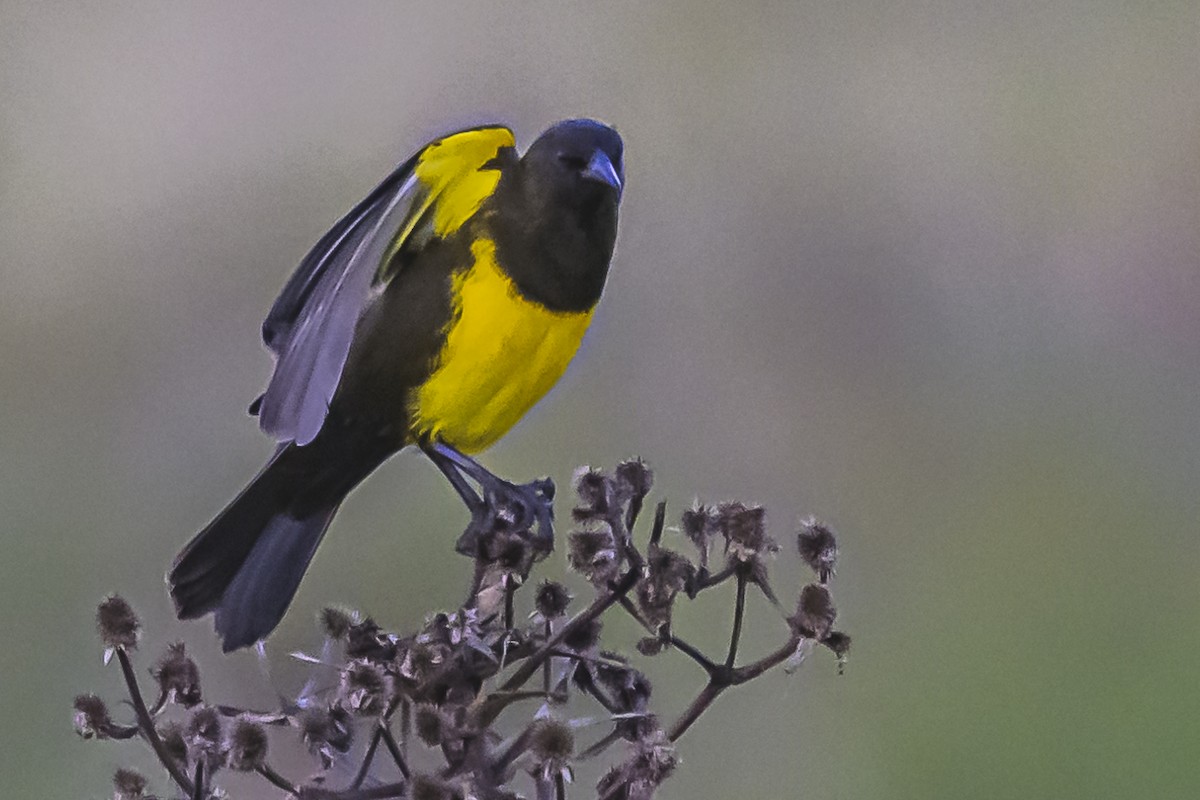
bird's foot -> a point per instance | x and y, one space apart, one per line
525 511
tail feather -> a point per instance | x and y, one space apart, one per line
247 564
255 600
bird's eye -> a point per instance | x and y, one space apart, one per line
573 162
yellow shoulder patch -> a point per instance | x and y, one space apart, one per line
453 171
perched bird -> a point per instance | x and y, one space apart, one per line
435 314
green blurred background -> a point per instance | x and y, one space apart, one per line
929 271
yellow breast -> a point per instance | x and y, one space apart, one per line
502 353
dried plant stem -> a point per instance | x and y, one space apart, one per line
397 755
546 665
277 780
705 663
198 781
725 677
739 612
368 757
147 724
698 706
585 617
454 677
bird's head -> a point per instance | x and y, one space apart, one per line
577 163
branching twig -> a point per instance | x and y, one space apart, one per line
454 677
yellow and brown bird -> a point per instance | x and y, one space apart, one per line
435 313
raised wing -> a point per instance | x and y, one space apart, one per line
311 325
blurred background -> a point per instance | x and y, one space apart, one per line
928 271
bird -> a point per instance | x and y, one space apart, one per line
434 314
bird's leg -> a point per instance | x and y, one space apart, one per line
452 471
514 506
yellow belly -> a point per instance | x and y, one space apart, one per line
502 353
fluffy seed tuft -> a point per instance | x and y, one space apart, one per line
128 785
247 746
117 623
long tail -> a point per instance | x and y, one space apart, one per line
246 565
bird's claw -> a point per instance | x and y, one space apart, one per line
509 508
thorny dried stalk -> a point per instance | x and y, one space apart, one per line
433 705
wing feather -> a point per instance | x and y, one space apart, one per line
311 326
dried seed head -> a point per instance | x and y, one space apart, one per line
633 479
326 731
247 746
629 689
585 637
336 622
118 625
815 613
650 645
651 761
552 599
363 687
593 554
205 738
128 785
818 548
699 525
744 530
367 640
91 717
667 572
423 659
552 742
595 490
839 643
178 676
433 726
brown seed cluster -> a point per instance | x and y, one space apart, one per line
473 703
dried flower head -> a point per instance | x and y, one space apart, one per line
839 643
651 761
552 599
596 494
818 548
667 572
744 529
92 719
336 622
363 687
326 730
205 738
628 688
117 623
633 480
367 640
247 746
593 553
422 660
585 637
815 613
433 726
178 676
552 743
650 645
128 785
699 525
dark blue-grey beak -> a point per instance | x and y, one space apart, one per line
601 168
